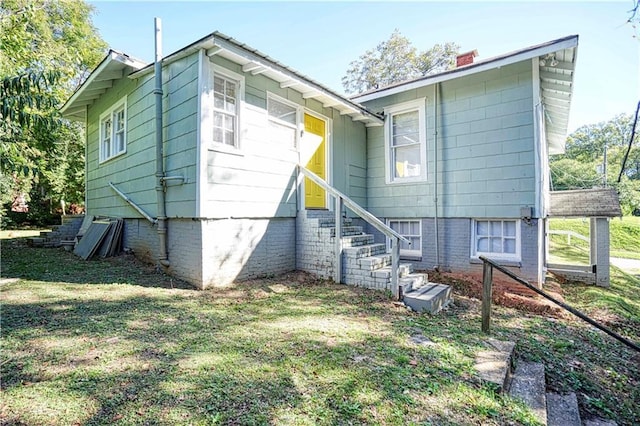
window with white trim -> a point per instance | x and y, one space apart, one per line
283 121
412 231
496 238
225 110
405 142
113 131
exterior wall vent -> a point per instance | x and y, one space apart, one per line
466 58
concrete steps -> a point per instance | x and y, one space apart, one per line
429 297
528 384
67 230
365 263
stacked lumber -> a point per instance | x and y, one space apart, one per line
103 237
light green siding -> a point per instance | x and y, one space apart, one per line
485 141
259 180
134 171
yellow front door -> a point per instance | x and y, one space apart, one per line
313 149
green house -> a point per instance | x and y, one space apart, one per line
228 165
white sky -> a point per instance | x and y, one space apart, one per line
319 39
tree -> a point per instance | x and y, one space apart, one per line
47 48
396 60
581 166
634 17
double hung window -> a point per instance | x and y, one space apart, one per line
225 110
113 131
405 142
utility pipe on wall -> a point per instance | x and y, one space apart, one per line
163 258
436 87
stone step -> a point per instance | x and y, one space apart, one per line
412 282
495 364
365 251
36 241
371 263
357 240
528 385
346 231
331 222
403 270
431 298
599 422
562 410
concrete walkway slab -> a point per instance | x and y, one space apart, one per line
528 384
562 410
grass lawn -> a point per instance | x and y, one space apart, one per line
624 234
113 341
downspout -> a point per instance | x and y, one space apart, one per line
436 87
163 258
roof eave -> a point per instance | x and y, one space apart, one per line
477 67
74 109
220 44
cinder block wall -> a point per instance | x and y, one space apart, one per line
142 237
315 251
455 248
238 249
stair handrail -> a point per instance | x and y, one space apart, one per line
487 283
369 218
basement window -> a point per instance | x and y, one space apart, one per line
412 231
113 131
496 239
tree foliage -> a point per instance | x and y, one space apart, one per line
47 48
395 60
581 166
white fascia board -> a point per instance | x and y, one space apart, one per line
290 76
112 56
470 70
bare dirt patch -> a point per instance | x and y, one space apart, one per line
506 292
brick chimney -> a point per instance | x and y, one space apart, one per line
466 58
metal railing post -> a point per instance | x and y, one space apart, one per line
337 274
395 262
487 278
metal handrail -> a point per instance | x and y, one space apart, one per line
368 217
488 264
355 207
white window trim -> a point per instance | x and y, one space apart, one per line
420 106
239 79
516 257
414 252
299 116
102 156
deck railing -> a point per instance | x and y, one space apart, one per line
487 290
569 234
342 200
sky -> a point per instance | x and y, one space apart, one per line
320 39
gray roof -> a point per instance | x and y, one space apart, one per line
596 202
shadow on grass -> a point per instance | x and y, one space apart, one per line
57 265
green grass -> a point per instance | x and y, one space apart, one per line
624 234
113 341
